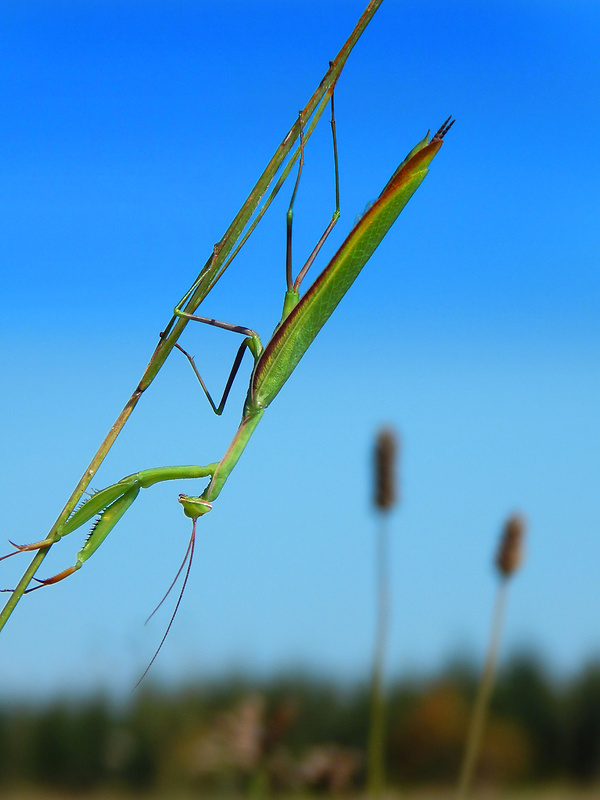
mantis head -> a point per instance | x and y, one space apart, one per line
194 507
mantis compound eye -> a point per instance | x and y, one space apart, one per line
194 507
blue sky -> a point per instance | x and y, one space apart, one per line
130 134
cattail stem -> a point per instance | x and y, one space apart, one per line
376 747
508 560
259 784
484 691
384 498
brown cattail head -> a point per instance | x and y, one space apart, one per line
510 552
386 448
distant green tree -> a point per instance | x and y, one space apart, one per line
525 694
583 726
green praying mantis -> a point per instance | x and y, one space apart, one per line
301 320
238 231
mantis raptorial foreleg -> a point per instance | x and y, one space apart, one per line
110 504
106 522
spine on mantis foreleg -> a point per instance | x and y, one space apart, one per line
97 503
107 521
102 527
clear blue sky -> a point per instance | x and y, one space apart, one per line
130 134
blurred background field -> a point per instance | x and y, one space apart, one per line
298 734
475 331
548 793
130 134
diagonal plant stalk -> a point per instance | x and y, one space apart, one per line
223 252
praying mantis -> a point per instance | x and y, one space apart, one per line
301 320
223 252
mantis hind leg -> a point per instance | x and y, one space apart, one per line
294 286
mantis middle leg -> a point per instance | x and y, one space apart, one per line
294 285
251 342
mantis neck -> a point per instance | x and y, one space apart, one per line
289 302
234 451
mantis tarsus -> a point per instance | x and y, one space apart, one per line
301 320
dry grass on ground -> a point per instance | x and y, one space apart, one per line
550 793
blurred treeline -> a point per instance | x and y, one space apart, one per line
299 732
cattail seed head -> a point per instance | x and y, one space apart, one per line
386 448
510 551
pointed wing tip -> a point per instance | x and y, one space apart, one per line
444 129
